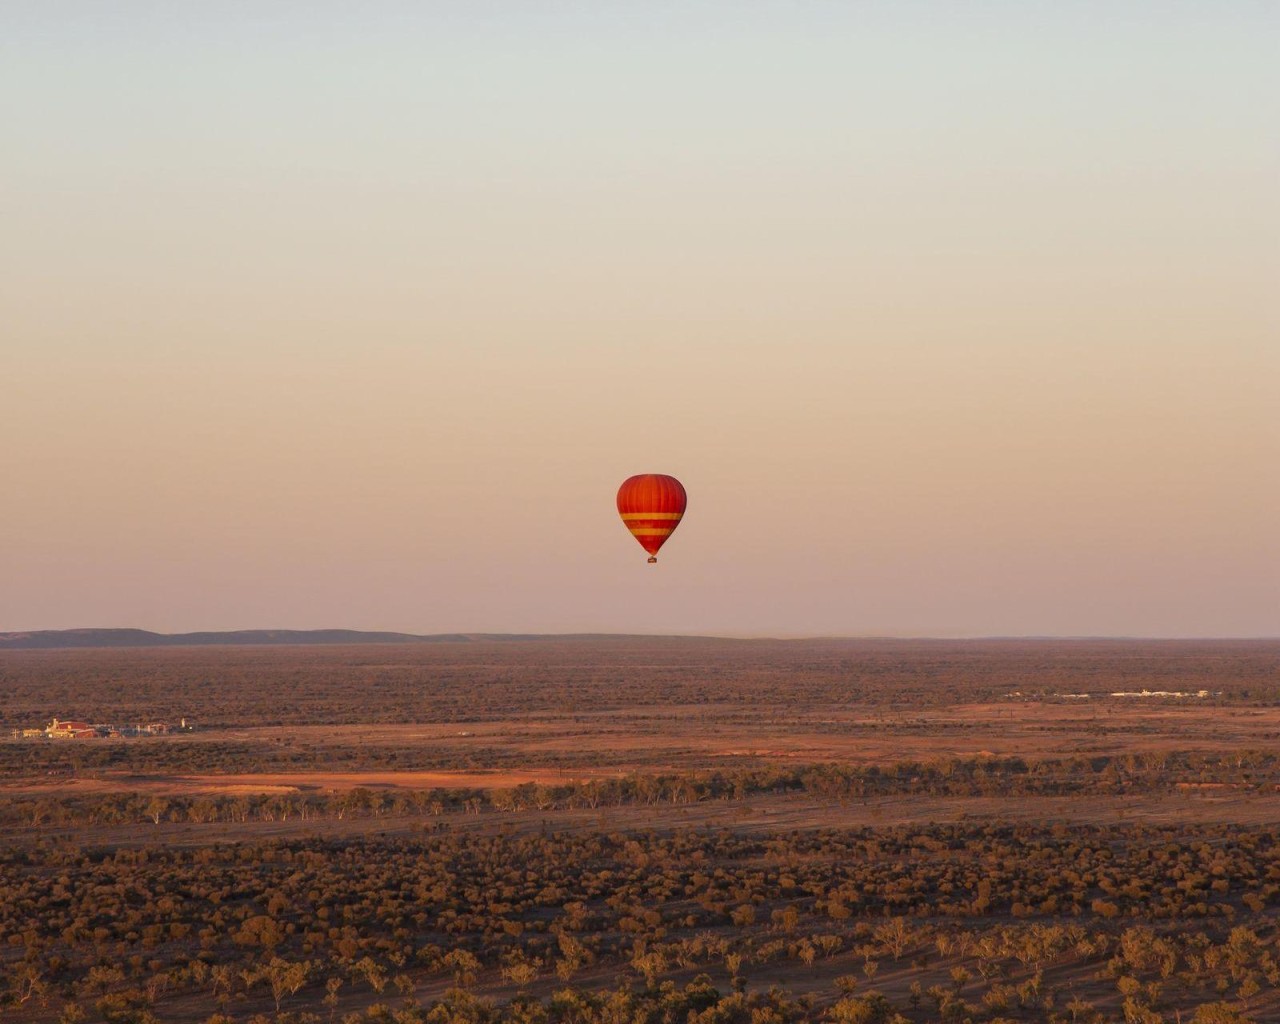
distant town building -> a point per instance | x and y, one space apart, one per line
59 730
74 729
1200 694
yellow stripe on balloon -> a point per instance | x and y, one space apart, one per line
627 516
650 531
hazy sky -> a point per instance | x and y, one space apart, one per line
952 318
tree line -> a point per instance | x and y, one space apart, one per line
1255 771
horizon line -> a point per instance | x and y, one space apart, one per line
374 636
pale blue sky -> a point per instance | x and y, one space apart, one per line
334 314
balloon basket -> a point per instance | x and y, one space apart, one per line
653 560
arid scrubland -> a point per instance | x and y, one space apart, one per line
646 830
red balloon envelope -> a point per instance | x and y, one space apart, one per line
651 506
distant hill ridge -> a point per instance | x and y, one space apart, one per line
63 639
66 639
51 639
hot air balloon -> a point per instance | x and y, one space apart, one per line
651 506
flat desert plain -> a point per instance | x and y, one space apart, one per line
983 830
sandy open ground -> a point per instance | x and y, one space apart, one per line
286 782
549 748
706 734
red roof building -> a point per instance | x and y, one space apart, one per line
71 730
